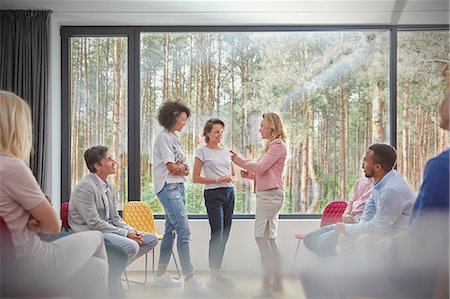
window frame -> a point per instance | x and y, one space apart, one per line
133 34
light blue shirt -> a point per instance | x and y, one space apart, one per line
389 208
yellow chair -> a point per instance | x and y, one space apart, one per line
139 215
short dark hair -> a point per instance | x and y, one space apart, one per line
209 125
94 155
385 155
168 113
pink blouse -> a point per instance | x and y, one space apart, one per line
268 170
361 193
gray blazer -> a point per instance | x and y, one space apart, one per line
87 209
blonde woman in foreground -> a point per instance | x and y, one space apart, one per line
76 264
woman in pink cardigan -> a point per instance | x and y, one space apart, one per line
268 174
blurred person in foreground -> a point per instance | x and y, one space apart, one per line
74 265
417 264
268 173
117 261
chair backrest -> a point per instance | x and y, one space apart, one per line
139 215
64 214
333 212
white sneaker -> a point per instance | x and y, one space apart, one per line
166 281
220 282
193 285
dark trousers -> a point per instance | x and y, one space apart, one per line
219 206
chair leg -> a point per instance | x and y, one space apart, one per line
295 255
126 279
146 266
145 274
153 261
176 265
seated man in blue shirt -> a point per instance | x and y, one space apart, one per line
388 211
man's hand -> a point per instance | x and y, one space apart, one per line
134 235
347 218
340 228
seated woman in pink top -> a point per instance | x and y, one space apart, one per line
268 173
75 265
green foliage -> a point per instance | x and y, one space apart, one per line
303 76
148 195
195 203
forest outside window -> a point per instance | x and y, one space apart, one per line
330 87
98 104
422 58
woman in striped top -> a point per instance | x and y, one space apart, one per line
218 172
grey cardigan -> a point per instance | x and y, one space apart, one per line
87 209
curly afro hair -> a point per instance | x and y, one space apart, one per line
168 113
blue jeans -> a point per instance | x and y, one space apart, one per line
133 249
322 241
172 197
219 206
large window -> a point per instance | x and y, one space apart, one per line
98 104
422 57
332 88
333 100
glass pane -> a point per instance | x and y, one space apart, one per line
98 99
331 89
422 57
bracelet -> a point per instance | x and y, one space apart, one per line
217 180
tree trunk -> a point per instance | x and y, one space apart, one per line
342 145
218 66
166 68
405 169
379 132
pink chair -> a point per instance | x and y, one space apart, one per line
331 214
64 214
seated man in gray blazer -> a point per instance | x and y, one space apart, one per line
92 207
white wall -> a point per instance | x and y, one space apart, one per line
241 253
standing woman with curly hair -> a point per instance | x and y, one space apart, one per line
268 174
169 174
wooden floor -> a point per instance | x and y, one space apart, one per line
245 286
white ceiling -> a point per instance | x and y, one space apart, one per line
243 12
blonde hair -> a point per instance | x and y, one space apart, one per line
273 122
15 127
